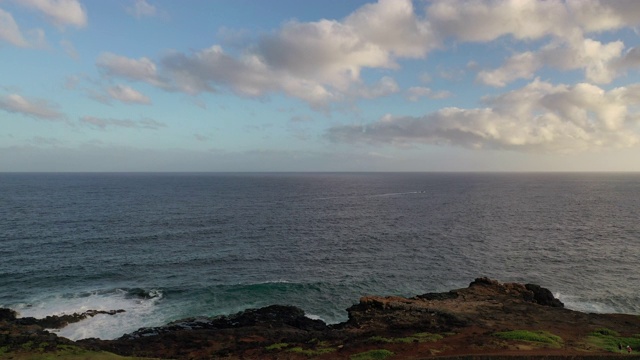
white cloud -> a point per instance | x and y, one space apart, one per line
417 92
518 66
317 62
69 49
393 26
142 8
630 60
599 15
59 12
103 123
540 117
127 94
142 69
322 62
386 86
326 51
206 69
10 31
564 23
596 59
482 21
35 108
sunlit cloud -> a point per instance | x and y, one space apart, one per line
60 12
127 94
10 31
540 117
35 108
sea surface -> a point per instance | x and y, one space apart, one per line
166 246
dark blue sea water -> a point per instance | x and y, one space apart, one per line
170 246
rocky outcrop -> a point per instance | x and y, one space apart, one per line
26 333
274 316
60 321
397 314
529 292
8 315
543 296
454 323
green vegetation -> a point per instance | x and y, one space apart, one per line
543 337
324 344
610 340
418 337
45 351
4 349
606 332
321 347
372 355
380 339
277 346
87 355
426 336
311 352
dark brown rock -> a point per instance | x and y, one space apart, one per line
543 296
464 320
7 314
60 321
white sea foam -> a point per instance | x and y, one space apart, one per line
313 317
578 304
139 312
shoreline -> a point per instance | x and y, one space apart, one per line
486 319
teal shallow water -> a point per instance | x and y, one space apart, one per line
169 246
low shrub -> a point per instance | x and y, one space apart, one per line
379 354
606 332
311 352
610 340
544 337
277 346
418 337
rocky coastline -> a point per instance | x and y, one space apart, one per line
487 319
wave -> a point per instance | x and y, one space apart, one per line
609 305
140 307
148 307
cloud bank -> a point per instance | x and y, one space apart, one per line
321 62
540 117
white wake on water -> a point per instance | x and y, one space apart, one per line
370 195
139 312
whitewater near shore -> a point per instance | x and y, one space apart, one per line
484 320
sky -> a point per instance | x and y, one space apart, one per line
319 85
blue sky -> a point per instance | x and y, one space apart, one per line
289 85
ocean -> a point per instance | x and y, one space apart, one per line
166 246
